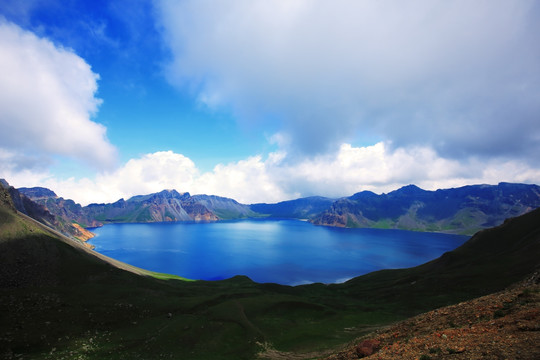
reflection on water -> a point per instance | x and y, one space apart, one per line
283 251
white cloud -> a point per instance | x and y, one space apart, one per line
47 99
379 168
461 77
147 174
247 181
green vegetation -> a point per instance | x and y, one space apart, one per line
384 224
351 223
162 276
226 214
144 215
65 302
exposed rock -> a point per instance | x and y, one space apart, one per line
367 347
503 325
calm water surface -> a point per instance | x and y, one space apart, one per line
287 251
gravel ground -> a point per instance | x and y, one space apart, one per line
504 325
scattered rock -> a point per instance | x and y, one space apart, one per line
367 347
467 330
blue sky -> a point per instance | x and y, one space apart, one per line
267 100
143 113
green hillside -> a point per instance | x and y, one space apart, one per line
62 301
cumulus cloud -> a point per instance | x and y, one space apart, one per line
458 76
47 99
379 168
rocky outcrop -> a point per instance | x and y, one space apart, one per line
38 211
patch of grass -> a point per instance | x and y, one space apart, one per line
226 214
351 223
144 215
163 276
384 224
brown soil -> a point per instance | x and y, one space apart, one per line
504 325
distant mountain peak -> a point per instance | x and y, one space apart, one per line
363 194
37 192
410 189
171 193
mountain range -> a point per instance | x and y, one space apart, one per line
60 300
462 210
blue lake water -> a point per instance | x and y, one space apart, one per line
286 251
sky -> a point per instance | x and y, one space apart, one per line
265 101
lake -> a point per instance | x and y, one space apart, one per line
283 251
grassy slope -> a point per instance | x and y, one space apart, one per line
58 300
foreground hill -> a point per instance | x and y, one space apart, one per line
463 210
67 302
503 325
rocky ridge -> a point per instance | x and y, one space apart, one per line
462 210
41 213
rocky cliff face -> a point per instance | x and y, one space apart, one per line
66 210
67 216
167 205
464 210
39 211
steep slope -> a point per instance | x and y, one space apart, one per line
464 210
303 208
65 210
41 213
